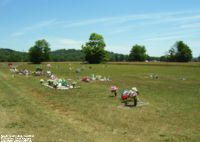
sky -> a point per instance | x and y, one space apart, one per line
156 24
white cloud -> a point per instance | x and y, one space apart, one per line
17 34
122 48
119 23
149 18
162 28
165 38
37 26
68 42
63 43
191 26
87 22
162 18
41 24
179 34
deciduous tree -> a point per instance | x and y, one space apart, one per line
94 49
39 52
138 53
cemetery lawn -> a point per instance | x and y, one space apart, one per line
89 114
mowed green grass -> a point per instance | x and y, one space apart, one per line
90 114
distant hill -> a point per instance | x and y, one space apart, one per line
66 55
77 55
117 57
9 55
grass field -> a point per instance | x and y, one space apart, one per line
88 114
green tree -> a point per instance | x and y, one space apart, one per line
164 58
116 57
121 57
138 53
199 58
183 53
171 55
126 57
94 49
39 52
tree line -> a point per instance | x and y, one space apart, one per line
8 55
93 51
61 55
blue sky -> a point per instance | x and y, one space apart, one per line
157 24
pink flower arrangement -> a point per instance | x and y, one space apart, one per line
114 88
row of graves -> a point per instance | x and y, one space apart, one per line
54 82
58 83
13 69
50 80
94 77
128 96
